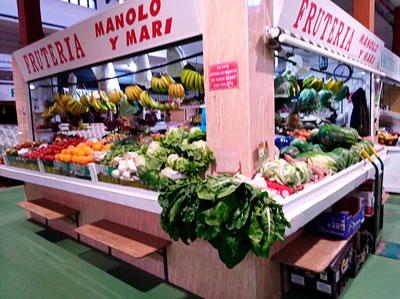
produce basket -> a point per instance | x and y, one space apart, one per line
67 169
104 175
16 161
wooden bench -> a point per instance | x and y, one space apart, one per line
50 210
130 241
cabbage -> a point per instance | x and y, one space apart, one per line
174 137
198 151
196 134
304 171
281 172
177 163
156 156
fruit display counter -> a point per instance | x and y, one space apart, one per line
299 208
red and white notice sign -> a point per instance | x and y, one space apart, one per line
224 75
324 22
125 29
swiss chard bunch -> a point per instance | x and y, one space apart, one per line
179 202
232 216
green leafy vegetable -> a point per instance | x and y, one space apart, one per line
196 134
232 216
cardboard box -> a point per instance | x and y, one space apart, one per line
341 220
367 191
362 244
330 282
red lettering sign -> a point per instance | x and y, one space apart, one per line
224 75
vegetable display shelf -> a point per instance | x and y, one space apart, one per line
302 207
299 208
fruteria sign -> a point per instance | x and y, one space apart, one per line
131 27
325 23
390 64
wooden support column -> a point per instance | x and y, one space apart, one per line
22 104
396 32
30 21
30 30
364 12
243 117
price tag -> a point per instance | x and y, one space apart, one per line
227 160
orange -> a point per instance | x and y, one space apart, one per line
97 146
57 157
73 158
90 143
81 145
81 160
87 150
67 158
85 160
89 159
64 151
80 152
74 151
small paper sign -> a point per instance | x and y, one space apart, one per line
227 161
263 153
224 75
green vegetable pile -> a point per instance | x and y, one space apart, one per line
333 147
119 149
232 216
179 150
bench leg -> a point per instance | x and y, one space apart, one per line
77 225
164 254
47 222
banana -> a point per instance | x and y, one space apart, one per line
96 105
113 107
103 95
70 103
197 82
120 94
202 84
165 81
143 101
171 91
85 100
103 107
176 90
136 92
184 75
151 103
130 93
191 80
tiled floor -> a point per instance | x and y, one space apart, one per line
38 263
